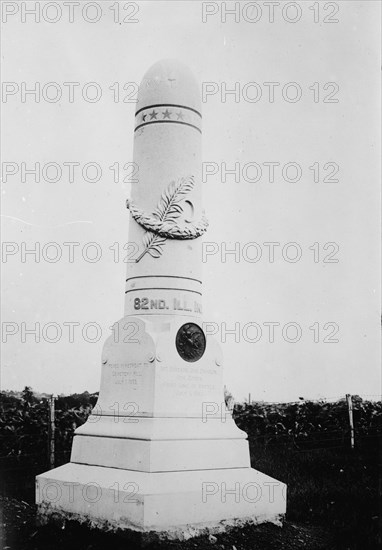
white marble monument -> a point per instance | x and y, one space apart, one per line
160 452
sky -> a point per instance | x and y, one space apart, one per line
297 307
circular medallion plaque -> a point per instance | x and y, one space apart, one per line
190 342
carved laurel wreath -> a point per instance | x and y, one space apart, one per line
161 224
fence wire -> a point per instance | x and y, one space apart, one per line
14 446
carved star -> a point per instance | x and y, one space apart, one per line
166 114
153 115
180 115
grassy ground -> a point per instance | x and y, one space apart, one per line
332 504
18 520
337 488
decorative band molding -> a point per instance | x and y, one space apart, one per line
168 105
163 288
167 113
167 276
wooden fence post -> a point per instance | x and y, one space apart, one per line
51 431
351 422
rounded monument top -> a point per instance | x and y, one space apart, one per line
169 81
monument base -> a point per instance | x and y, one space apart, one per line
173 504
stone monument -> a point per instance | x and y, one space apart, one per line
160 451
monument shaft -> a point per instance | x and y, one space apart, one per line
166 277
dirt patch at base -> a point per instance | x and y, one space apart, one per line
19 531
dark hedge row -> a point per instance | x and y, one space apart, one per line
310 424
24 423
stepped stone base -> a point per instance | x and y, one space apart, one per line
173 504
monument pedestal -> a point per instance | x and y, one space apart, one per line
174 504
170 459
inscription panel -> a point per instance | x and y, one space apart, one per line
128 371
127 374
183 387
152 301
